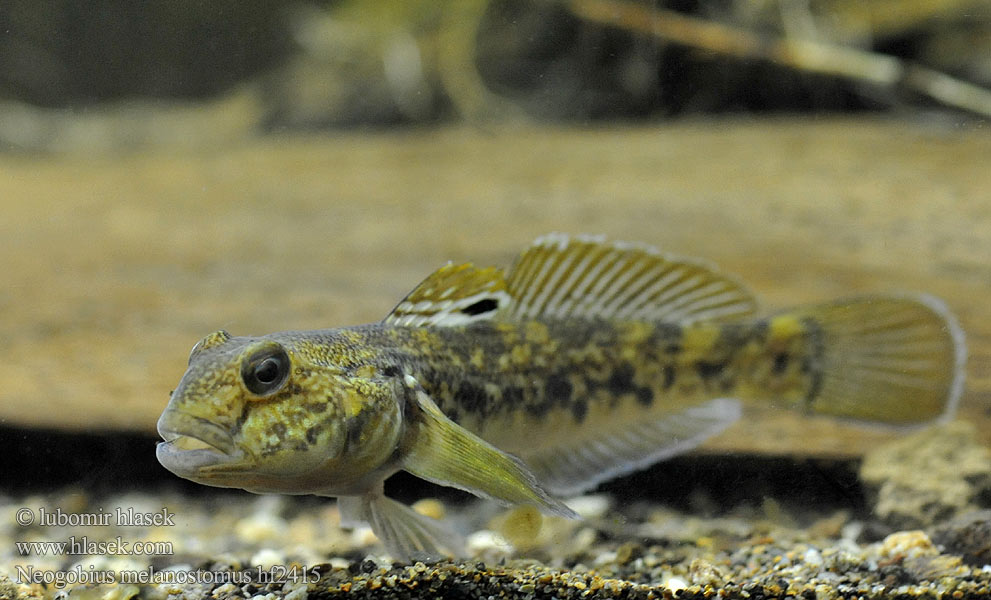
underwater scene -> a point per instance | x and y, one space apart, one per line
495 299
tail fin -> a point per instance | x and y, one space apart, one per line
897 360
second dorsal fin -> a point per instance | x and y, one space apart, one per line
587 277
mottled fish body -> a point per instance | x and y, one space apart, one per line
585 361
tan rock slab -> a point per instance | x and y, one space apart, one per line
113 267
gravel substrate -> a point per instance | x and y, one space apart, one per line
175 546
265 548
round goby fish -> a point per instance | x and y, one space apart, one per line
585 361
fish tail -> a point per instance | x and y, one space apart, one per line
896 360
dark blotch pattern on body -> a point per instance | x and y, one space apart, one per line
471 397
710 370
811 363
513 395
780 363
485 371
668 371
579 408
621 380
557 389
645 396
311 434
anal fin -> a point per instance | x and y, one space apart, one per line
579 466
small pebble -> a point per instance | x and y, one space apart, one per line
590 507
675 584
298 593
907 542
702 572
266 558
430 507
260 527
485 539
223 590
521 526
363 537
812 557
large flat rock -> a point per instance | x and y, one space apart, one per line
114 266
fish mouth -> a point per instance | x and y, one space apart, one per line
194 446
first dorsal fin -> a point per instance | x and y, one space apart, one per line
580 277
587 277
453 295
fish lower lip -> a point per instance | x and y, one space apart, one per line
190 462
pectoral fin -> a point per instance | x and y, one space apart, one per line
443 452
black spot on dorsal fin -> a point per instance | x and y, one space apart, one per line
482 306
453 295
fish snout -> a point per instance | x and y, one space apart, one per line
192 443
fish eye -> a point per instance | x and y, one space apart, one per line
266 370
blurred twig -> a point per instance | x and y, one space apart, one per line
805 55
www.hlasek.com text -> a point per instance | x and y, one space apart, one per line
78 546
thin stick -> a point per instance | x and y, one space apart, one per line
805 55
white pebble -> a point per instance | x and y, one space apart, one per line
583 540
363 536
812 557
260 527
486 539
267 558
851 531
224 590
590 507
675 583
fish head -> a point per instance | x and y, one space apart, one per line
280 414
